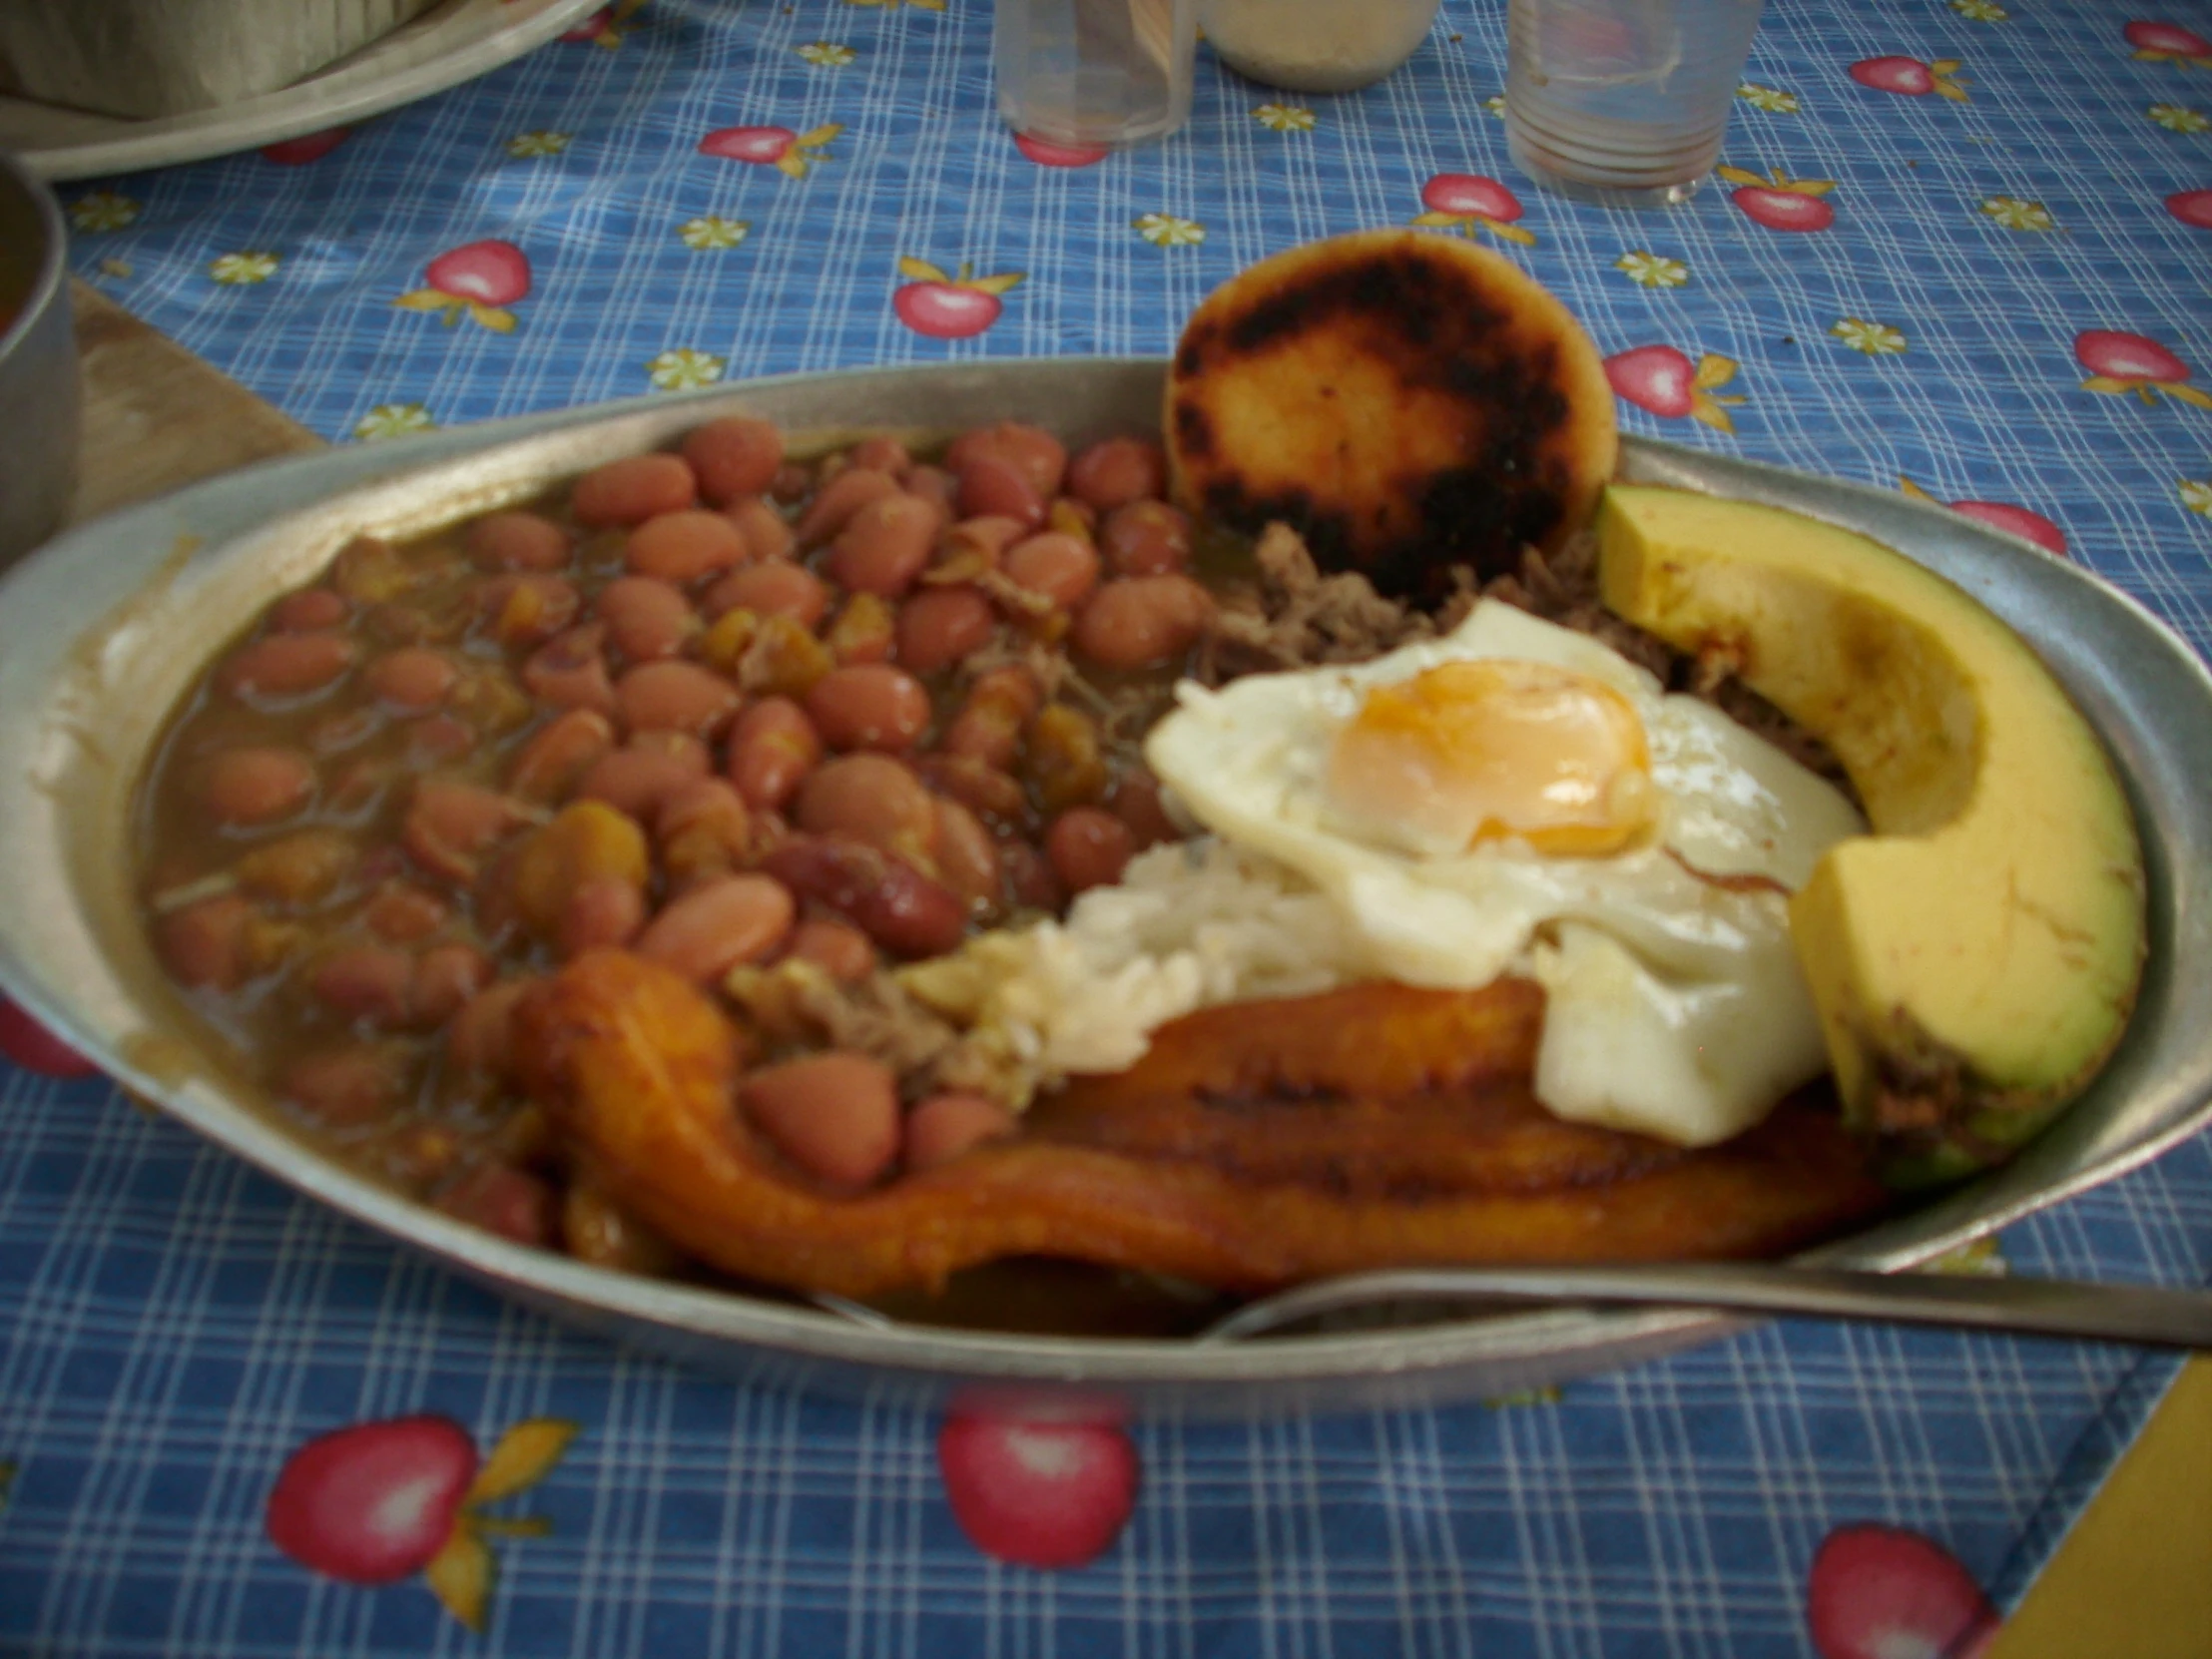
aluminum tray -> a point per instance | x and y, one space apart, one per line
102 631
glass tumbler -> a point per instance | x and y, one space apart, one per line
1623 102
1094 72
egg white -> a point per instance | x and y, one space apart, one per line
1676 1006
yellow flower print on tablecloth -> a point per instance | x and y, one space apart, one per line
1496 104
243 267
1283 117
101 210
1875 339
2016 215
2196 494
1167 230
711 232
825 54
393 420
530 146
684 368
1652 270
1773 100
1980 11
2175 119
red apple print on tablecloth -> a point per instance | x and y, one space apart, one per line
1664 382
2168 43
1911 77
787 152
479 279
2192 206
1779 202
1047 154
2000 515
1467 202
30 1045
1037 1491
1881 1592
312 147
950 307
380 1501
2119 363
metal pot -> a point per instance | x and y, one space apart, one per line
38 364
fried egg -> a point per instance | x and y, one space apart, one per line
1519 797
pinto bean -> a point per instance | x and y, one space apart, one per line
1115 471
865 631
967 857
203 944
450 824
1040 458
835 502
587 840
794 479
1136 801
632 490
302 867
402 912
718 924
835 1115
308 611
939 626
933 485
871 799
696 758
677 697
982 790
632 782
869 705
252 786
518 541
773 746
1142 621
351 1087
988 726
1089 847
445 977
569 671
996 488
1058 567
282 668
367 983
1030 883
502 1198
557 756
777 588
767 533
883 546
1146 538
603 912
701 830
647 618
942 1127
966 549
883 454
733 456
412 679
684 546
481 1038
896 905
838 949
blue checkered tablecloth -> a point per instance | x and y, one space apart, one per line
2011 302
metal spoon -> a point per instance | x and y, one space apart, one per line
2034 1307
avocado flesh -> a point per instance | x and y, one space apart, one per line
1976 957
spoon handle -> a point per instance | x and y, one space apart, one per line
2144 1314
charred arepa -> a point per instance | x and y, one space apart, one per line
1405 400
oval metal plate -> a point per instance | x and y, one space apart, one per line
102 631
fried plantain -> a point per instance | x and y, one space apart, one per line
1255 1146
1405 400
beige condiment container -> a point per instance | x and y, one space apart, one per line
151 58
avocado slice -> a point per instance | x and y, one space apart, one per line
1976 957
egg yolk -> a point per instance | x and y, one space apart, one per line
1480 750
